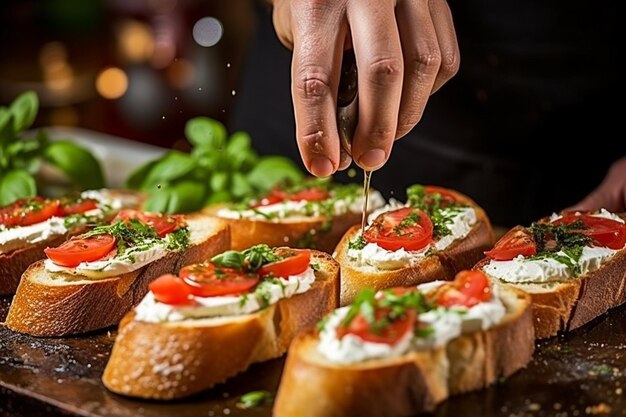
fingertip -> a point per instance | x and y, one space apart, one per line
344 160
321 167
372 159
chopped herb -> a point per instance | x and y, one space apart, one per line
440 210
424 332
411 220
315 267
358 243
365 296
254 399
258 255
243 300
321 325
178 240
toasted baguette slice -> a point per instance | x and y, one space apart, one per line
565 306
177 359
312 386
461 254
14 263
58 304
301 231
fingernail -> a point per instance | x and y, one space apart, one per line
321 167
373 159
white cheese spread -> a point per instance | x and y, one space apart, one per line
267 292
17 237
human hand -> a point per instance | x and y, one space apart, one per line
405 51
610 194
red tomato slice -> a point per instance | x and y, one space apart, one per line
208 280
27 211
606 232
390 334
517 241
170 289
310 194
468 289
81 249
296 261
69 206
447 197
162 223
407 228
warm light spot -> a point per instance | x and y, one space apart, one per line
64 116
58 76
52 53
207 31
112 83
135 40
181 74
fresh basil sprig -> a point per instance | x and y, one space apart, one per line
218 169
21 157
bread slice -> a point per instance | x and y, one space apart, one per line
295 232
177 359
58 304
312 386
461 254
565 306
14 263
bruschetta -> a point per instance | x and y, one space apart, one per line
92 280
435 234
401 351
29 225
311 214
215 319
573 265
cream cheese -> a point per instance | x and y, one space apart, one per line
300 209
374 256
446 324
521 269
17 237
131 260
267 293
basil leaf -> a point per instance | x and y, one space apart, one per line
239 152
218 197
78 164
6 126
137 178
219 181
205 132
170 167
16 184
272 170
181 197
229 259
24 109
240 186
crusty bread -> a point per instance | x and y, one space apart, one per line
565 306
312 386
289 231
14 263
58 304
461 254
178 359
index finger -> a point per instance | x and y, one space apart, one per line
318 46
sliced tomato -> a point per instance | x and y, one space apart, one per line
310 194
170 289
294 262
274 197
81 249
162 223
606 232
76 206
27 211
407 228
209 280
390 334
468 289
447 197
517 241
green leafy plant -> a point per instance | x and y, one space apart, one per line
218 169
21 157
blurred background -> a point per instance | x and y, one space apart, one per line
137 69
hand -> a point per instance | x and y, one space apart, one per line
610 194
405 51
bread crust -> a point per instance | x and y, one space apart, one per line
565 306
287 232
173 360
68 308
312 386
461 254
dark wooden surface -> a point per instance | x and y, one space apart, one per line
581 374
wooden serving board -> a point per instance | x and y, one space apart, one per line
583 373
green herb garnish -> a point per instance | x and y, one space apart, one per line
441 215
254 399
358 243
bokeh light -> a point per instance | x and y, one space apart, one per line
208 31
112 83
135 40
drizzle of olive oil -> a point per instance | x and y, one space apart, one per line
367 177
